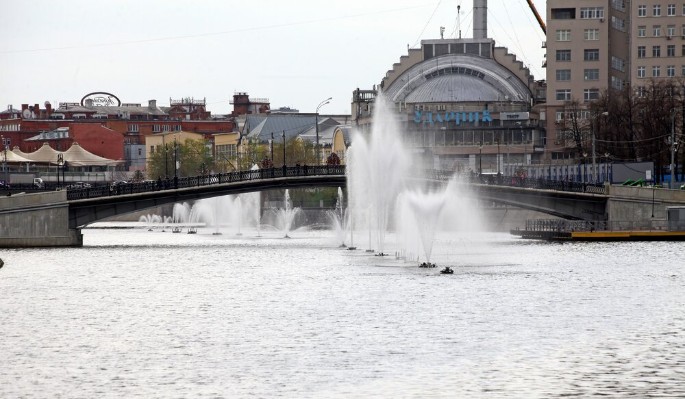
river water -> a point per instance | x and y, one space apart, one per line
151 314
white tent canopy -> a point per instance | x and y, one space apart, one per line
10 157
75 156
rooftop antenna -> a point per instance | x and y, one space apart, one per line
459 19
442 32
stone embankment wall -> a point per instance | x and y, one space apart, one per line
36 220
642 207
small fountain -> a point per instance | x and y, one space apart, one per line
339 219
286 215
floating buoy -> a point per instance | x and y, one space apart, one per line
2 263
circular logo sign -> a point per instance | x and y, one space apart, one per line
101 99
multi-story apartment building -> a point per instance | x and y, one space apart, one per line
597 45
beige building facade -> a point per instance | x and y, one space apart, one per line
596 45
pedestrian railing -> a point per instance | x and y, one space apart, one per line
203 180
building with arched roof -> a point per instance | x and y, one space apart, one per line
464 103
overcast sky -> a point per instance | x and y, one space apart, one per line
295 53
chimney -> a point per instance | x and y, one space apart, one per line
48 108
24 106
480 19
152 104
36 109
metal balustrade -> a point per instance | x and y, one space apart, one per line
321 170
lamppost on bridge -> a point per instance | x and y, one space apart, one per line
594 153
60 162
271 149
674 146
175 160
316 124
4 161
283 135
480 159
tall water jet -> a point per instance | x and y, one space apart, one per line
339 219
377 166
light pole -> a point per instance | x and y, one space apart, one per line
316 124
60 161
166 160
283 135
175 161
271 147
594 154
673 146
480 159
4 160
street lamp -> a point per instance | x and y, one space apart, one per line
60 161
4 161
271 148
316 124
480 159
283 135
594 154
175 161
673 147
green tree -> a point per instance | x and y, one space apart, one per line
193 156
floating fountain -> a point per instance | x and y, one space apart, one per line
338 217
379 184
376 169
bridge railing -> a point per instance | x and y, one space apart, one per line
321 170
204 180
517 181
567 226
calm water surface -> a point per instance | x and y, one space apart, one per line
147 314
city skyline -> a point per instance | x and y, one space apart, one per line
294 55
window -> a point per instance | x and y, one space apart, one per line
152 149
670 10
656 10
641 72
641 52
563 35
656 51
590 94
656 71
563 75
641 31
618 64
156 128
682 70
564 95
640 91
670 30
133 128
670 50
682 50
591 12
670 71
591 74
563 55
591 55
591 34
656 30
616 83
642 10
